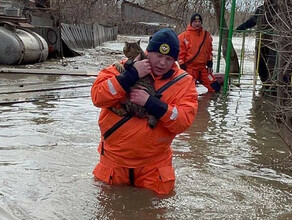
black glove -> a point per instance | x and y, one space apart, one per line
210 64
128 78
155 106
183 66
129 64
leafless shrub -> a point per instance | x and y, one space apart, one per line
104 12
278 15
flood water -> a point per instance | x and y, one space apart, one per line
230 164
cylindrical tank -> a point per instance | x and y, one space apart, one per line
20 46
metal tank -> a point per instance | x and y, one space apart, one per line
21 46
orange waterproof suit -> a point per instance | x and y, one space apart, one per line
136 153
196 55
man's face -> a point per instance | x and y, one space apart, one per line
160 63
197 24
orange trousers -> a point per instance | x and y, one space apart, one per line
202 75
158 177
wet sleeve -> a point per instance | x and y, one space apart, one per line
155 106
182 51
210 51
107 91
251 22
128 78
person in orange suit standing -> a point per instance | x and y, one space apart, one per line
195 54
134 153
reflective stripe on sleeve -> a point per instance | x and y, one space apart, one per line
174 114
111 87
211 78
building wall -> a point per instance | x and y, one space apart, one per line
134 12
137 20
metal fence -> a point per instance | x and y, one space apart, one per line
83 36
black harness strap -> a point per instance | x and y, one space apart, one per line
164 87
128 117
116 126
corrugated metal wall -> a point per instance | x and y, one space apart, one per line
4 4
84 36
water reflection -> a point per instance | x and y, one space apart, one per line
124 202
228 161
21 79
42 111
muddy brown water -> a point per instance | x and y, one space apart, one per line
230 164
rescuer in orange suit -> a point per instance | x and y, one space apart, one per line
195 54
134 153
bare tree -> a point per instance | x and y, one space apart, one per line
279 17
105 12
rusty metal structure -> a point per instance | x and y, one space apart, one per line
60 39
